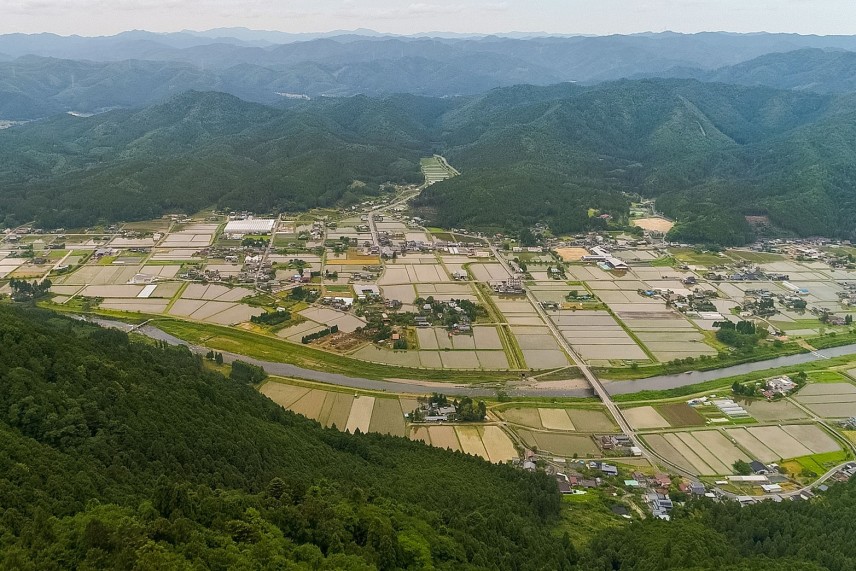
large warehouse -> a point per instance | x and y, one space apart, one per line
250 226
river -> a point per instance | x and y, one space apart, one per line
419 387
288 370
695 377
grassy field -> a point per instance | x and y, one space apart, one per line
273 349
585 515
681 415
690 256
761 353
664 262
827 377
817 464
562 374
755 257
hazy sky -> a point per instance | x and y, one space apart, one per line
97 17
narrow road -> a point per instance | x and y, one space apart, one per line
266 253
587 372
405 197
55 266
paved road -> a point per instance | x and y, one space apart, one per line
583 367
266 254
404 198
794 493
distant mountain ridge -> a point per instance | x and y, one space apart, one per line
140 68
812 69
584 59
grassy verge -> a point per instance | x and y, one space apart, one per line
327 387
579 403
562 374
718 384
711 364
276 350
832 340
509 344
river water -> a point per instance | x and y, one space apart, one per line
661 382
288 370
694 377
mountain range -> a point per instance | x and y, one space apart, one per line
710 154
43 74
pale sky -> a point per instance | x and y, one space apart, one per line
106 17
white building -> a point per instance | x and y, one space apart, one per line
250 226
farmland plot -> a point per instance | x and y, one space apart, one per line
779 441
361 414
555 419
757 449
283 394
444 437
643 417
498 445
590 420
387 417
524 416
471 442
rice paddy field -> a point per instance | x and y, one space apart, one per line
486 441
349 411
712 452
772 411
829 400
644 417
435 170
431 359
344 410
559 419
560 444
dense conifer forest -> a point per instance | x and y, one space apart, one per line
123 454
120 455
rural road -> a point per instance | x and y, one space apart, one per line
592 379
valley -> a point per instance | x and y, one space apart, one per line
362 301
380 308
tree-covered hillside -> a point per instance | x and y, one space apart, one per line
821 71
202 149
710 153
796 535
123 455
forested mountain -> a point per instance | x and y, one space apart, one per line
199 149
823 71
33 87
710 153
121 455
137 68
